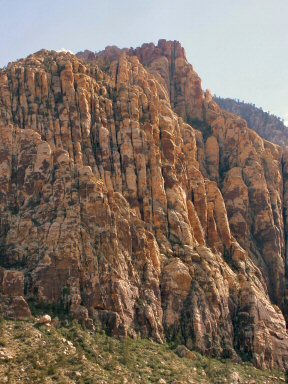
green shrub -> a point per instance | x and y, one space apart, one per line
125 351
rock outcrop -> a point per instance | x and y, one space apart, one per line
12 302
268 126
128 197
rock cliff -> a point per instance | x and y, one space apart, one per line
129 198
268 126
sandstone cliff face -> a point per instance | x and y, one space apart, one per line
130 198
270 127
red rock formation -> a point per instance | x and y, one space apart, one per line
12 302
268 126
113 206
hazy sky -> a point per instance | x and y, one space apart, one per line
238 47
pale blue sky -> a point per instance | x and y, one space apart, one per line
238 47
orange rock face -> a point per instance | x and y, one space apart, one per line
270 127
130 198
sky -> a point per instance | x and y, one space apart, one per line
238 47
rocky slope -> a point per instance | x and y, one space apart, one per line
270 127
38 354
129 198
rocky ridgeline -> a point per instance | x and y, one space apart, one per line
128 197
268 126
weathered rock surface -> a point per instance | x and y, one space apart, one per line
268 126
12 302
130 198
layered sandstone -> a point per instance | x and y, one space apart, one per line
130 198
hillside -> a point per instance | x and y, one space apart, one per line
69 354
268 126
